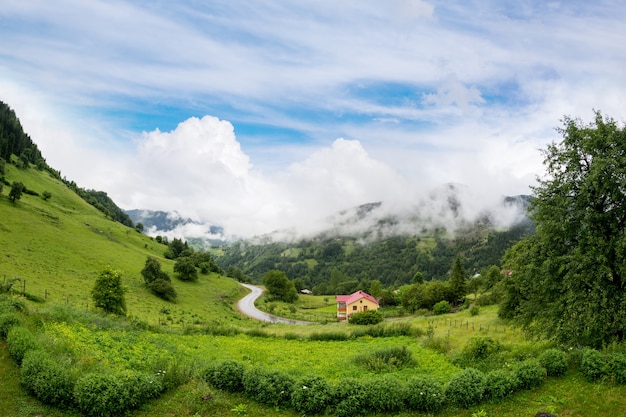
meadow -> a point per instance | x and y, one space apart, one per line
57 248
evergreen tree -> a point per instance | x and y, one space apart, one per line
457 281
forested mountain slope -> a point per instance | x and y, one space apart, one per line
320 263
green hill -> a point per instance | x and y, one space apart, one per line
58 246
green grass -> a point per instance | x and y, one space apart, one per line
59 246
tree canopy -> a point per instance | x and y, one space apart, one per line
568 280
108 292
279 287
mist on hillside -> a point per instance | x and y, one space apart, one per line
200 172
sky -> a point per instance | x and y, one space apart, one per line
263 115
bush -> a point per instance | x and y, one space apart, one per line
20 341
163 289
7 320
268 387
351 396
474 310
593 365
500 384
172 373
366 317
424 394
108 292
617 366
479 348
555 362
442 307
386 360
530 374
49 381
328 336
387 330
466 388
109 395
226 375
312 395
384 394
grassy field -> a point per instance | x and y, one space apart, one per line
57 248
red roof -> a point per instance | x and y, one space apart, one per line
349 299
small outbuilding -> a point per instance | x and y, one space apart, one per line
355 303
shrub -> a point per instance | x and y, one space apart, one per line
386 360
172 373
267 386
108 394
466 388
49 381
530 374
500 384
442 307
328 336
108 292
7 320
474 310
479 348
226 375
387 330
258 333
163 289
555 362
366 317
593 365
312 395
424 394
384 394
617 367
20 341
351 396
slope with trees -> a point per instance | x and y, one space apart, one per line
321 264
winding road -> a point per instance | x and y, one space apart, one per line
246 306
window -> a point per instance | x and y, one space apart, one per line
353 308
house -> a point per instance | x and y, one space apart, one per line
355 303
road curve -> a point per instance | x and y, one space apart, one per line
246 306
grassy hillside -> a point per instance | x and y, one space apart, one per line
57 248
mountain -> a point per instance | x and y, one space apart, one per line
172 225
371 242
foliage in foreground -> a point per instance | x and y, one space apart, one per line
568 281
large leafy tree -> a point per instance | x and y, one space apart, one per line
279 286
568 280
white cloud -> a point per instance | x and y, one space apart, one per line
458 92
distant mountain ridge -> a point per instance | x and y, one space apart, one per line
173 224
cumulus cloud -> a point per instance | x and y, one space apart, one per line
423 95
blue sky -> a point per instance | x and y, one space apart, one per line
266 114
